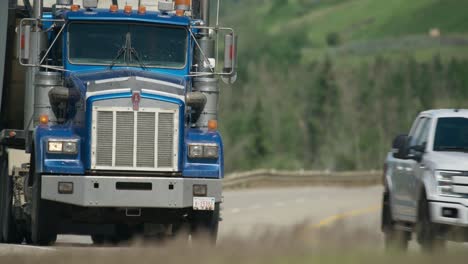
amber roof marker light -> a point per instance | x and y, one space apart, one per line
75 8
113 8
128 9
142 10
182 6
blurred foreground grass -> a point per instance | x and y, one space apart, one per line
336 244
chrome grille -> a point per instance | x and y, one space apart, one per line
165 139
124 139
145 143
105 121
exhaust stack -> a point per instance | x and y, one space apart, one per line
204 58
38 42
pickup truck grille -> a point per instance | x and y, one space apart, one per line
145 140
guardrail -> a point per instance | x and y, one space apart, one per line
263 177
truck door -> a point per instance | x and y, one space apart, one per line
418 168
411 169
403 167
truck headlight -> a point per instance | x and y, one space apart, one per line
445 182
62 146
200 151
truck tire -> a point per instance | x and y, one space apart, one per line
99 240
205 224
8 228
428 234
43 217
1 199
123 234
393 239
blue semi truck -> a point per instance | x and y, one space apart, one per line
109 119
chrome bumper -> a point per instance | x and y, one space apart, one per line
139 192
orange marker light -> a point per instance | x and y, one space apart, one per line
128 9
142 10
183 4
75 8
180 12
44 119
212 124
12 134
113 8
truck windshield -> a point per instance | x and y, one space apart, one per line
451 134
100 44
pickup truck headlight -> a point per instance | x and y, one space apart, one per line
203 151
445 183
55 146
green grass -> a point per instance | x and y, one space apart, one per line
306 23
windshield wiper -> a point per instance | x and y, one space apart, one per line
128 51
451 148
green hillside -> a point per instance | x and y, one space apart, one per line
299 28
325 84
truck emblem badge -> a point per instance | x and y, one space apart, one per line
136 98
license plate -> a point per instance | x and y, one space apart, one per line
204 203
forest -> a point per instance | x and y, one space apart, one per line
327 84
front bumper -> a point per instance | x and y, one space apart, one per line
108 191
458 219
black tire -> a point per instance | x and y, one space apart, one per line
99 239
393 239
205 224
181 231
1 198
43 216
9 230
123 234
428 234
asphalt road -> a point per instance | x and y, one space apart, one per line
256 211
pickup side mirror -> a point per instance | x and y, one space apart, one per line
419 148
416 152
399 147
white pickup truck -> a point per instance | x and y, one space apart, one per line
426 182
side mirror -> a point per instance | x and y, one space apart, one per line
416 152
24 40
230 59
419 148
399 147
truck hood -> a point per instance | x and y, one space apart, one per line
135 80
449 160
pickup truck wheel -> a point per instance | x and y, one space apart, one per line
43 216
394 239
9 230
427 232
205 224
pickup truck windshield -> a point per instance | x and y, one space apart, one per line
153 45
451 134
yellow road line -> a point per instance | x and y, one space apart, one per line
330 220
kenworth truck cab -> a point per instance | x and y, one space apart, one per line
109 120
426 182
